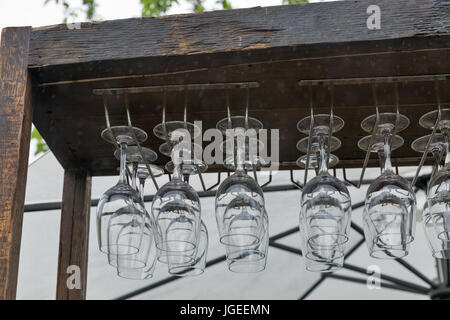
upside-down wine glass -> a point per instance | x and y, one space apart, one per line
390 207
239 199
141 265
177 210
440 248
325 214
121 212
438 198
132 260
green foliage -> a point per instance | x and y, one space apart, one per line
154 8
41 146
197 5
225 4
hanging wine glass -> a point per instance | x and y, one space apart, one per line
134 260
438 197
197 266
440 248
121 212
139 265
239 199
325 205
176 208
250 259
390 207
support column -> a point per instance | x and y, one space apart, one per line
74 236
15 130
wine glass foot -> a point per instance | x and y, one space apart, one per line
314 161
239 122
320 121
378 143
124 134
387 121
164 131
302 145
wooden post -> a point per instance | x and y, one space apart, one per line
74 236
15 129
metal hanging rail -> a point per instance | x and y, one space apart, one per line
177 88
374 80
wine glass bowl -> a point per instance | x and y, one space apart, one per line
251 259
239 210
121 211
176 208
391 214
197 265
326 208
120 208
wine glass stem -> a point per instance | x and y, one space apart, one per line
436 151
123 162
323 155
447 153
387 166
141 187
134 178
240 156
176 159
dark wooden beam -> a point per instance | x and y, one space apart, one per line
15 129
196 42
74 236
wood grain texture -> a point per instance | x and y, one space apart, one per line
15 130
74 233
244 29
181 43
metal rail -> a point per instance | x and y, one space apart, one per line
177 88
373 80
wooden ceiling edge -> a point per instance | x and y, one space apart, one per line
239 29
226 66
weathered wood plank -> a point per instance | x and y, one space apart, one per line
15 128
74 236
244 29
